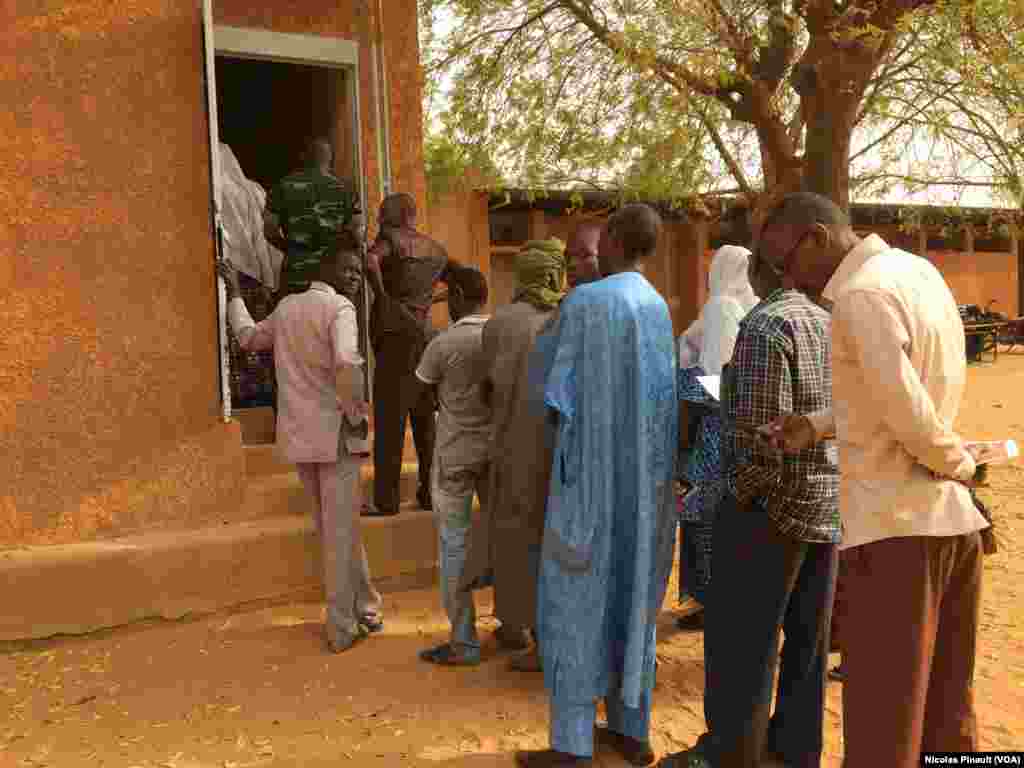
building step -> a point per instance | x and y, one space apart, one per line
169 575
258 428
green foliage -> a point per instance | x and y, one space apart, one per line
449 164
665 98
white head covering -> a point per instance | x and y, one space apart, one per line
242 203
709 341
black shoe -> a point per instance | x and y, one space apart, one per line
694 622
424 500
549 758
635 752
369 510
511 639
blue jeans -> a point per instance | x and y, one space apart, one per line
453 489
572 723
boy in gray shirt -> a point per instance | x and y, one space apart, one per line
460 466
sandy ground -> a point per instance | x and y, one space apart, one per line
258 689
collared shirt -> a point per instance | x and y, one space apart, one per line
781 365
313 334
899 369
451 361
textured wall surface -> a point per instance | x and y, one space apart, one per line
109 376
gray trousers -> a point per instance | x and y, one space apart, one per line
350 594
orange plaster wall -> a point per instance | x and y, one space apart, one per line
980 277
109 375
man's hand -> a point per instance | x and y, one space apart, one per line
354 411
789 433
227 270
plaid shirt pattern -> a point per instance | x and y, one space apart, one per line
781 364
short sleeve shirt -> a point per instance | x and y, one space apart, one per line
312 208
451 361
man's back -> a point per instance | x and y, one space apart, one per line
309 421
312 207
410 267
899 376
450 362
610 519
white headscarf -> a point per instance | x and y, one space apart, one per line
242 203
709 341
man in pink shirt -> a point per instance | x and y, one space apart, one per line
322 411
912 549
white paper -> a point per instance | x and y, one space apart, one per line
712 385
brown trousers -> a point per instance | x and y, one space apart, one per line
911 621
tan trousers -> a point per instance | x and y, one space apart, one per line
912 607
350 594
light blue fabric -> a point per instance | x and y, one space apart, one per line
454 510
572 725
611 522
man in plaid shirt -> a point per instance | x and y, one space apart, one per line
775 546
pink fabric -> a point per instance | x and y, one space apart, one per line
312 335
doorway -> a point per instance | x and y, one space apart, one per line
267 112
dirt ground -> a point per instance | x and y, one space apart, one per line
258 689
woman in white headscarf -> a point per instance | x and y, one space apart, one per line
704 350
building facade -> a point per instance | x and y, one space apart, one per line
111 412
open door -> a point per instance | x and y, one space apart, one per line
210 71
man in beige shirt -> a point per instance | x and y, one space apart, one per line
911 540
321 412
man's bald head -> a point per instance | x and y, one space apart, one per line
803 239
631 236
581 253
398 210
319 154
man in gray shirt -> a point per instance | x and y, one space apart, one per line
460 467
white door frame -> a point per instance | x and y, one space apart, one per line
265 45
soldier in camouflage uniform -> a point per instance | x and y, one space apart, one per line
305 212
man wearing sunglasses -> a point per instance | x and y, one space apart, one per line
779 520
912 549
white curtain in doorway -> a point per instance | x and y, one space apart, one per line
241 205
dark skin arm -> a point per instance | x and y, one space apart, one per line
374 257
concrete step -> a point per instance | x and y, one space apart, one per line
257 425
78 588
258 428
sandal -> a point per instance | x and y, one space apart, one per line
446 656
372 624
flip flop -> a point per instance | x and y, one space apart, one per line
447 656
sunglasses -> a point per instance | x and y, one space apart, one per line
779 272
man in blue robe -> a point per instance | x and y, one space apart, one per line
610 528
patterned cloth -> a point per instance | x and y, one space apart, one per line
252 373
702 468
540 274
609 534
781 364
313 207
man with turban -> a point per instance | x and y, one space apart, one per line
506 543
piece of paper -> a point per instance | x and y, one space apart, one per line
712 385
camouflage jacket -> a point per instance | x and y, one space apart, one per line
312 208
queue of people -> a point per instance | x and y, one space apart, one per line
583 428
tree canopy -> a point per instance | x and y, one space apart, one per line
675 97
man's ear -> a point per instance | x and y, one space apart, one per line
822 237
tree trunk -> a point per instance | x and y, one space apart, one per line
827 153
